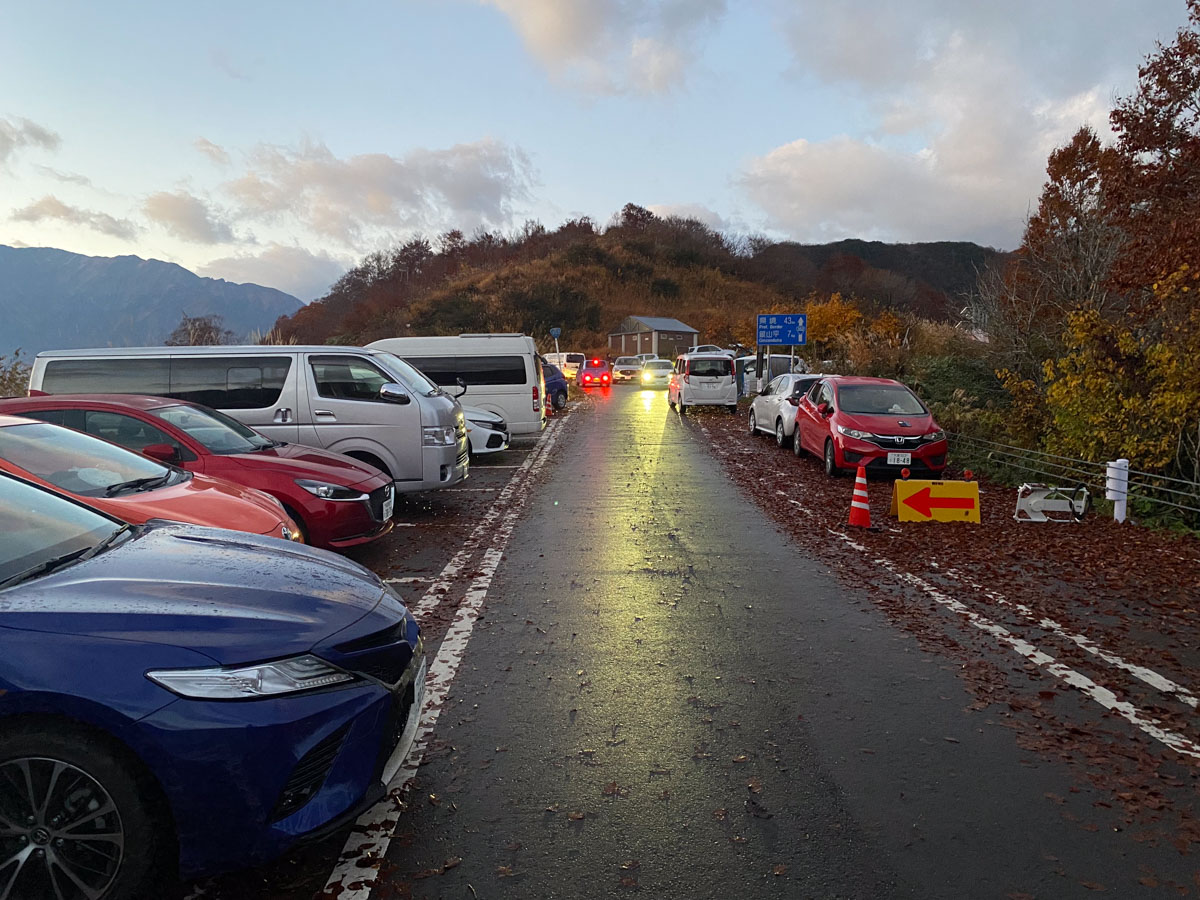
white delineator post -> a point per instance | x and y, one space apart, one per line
1116 487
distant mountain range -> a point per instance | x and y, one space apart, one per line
51 299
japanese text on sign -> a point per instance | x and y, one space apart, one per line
783 329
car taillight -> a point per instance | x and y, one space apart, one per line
604 378
795 401
595 363
587 377
536 405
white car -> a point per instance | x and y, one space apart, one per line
709 348
656 373
774 410
486 431
626 368
645 357
703 379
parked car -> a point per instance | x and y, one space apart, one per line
367 404
556 385
708 348
486 431
336 501
702 379
626 368
133 487
594 372
501 372
569 363
656 373
175 697
774 410
873 422
646 357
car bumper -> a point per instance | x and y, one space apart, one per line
343 523
229 766
484 440
620 376
925 458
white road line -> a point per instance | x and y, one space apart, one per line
358 866
411 580
1101 695
1149 676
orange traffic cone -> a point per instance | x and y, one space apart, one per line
860 505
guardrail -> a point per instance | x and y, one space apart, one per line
1143 487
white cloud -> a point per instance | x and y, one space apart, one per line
16 134
967 100
696 211
65 177
613 46
214 152
466 186
52 208
186 217
297 271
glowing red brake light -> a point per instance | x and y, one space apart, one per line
595 363
587 377
604 378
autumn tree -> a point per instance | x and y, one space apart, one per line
195 331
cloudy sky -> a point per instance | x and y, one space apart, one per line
278 142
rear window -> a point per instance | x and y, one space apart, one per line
709 368
627 361
879 400
108 375
576 358
801 386
659 364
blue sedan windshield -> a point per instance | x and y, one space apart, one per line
37 527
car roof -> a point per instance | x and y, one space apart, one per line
861 379
5 421
136 401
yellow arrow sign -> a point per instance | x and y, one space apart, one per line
936 501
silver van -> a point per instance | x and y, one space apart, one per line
367 404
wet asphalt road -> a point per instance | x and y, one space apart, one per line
664 695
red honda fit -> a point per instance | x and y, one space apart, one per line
874 422
337 501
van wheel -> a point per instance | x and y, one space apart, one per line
753 424
370 460
92 818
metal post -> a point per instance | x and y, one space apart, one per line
556 348
1116 487
761 382
792 359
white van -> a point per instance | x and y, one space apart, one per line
568 363
367 404
501 371
703 379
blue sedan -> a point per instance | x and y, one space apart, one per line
178 698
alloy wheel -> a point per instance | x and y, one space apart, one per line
780 437
61 835
753 424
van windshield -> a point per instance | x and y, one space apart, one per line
407 375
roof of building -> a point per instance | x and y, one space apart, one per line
658 323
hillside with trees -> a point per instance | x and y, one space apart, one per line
585 279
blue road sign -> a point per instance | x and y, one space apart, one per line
556 333
784 329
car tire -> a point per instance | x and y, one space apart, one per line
831 468
753 424
780 437
100 774
733 410
797 448
671 403
682 408
559 400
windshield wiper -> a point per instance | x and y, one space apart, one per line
137 484
47 566
107 542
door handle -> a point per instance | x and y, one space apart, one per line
282 414
324 412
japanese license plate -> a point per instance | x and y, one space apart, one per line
899 459
389 502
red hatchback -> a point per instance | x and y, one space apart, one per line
337 501
872 422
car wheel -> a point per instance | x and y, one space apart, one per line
88 816
753 424
831 468
733 409
797 449
682 408
671 403
780 437
559 400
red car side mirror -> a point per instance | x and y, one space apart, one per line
824 409
162 452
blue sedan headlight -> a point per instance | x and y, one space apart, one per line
285 676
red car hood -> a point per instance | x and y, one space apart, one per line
917 425
299 461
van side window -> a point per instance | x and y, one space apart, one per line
108 375
446 370
240 382
441 370
347 378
